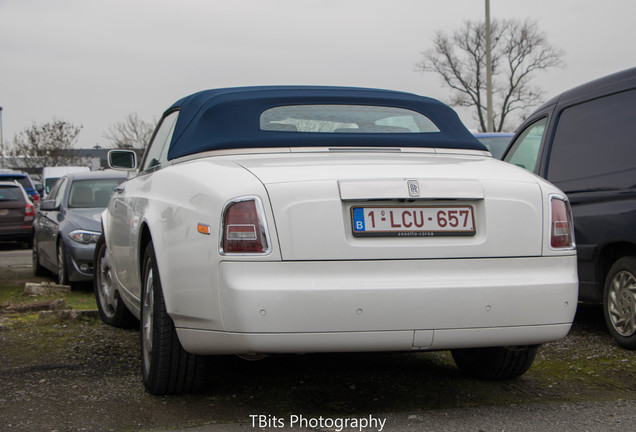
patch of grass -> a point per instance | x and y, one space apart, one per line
9 292
79 299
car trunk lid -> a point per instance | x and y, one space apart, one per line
315 197
12 212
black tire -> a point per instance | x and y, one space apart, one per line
38 269
619 302
166 367
62 264
501 363
111 308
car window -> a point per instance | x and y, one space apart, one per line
158 148
11 193
57 193
593 147
48 183
496 145
524 151
20 178
93 193
55 189
25 182
345 119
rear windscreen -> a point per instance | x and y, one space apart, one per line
345 119
24 181
92 193
10 193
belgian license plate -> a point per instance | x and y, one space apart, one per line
416 221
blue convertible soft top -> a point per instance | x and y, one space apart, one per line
231 118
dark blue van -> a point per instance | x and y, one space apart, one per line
584 141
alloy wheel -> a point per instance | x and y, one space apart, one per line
622 302
147 318
105 290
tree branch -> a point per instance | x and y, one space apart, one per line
519 51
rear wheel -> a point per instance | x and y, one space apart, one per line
499 363
166 367
619 302
111 308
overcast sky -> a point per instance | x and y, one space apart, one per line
92 62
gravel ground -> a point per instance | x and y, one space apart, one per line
81 375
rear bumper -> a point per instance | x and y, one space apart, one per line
212 342
284 307
16 232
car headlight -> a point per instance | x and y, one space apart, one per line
84 237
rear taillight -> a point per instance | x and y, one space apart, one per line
29 211
561 229
243 229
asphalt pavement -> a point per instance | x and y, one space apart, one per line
619 416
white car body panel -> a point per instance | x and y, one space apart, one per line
306 192
322 289
419 304
311 297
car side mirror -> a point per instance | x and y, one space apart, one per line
49 205
124 160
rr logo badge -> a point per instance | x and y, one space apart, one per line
414 188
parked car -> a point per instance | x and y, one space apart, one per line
16 213
67 224
271 220
583 142
24 180
495 142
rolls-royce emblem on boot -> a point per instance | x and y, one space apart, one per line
414 188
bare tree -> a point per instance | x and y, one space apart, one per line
519 50
132 133
47 144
